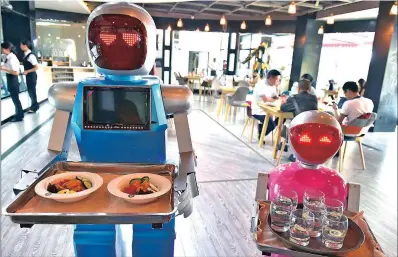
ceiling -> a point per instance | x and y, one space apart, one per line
233 10
74 6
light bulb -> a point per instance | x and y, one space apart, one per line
207 28
330 20
394 8
169 27
223 21
320 30
179 23
243 25
78 35
197 29
292 8
268 21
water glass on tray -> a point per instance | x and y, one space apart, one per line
301 224
314 202
334 207
334 230
281 207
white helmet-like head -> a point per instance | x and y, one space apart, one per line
315 137
121 39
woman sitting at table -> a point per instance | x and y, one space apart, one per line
265 91
302 102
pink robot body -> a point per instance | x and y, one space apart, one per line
294 176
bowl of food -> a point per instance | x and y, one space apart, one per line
69 187
139 188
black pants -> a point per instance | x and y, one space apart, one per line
213 73
271 124
31 80
13 88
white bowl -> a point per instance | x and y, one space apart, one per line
41 187
116 186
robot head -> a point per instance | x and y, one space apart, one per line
315 137
121 39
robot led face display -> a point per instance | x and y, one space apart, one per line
315 138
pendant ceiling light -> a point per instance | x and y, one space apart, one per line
197 29
394 8
223 21
207 28
330 19
179 23
243 25
292 8
320 30
169 27
268 21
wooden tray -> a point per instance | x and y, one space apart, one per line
268 242
352 241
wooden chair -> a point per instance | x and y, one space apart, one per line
354 132
249 120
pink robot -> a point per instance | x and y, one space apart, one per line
315 137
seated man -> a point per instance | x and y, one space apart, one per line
265 91
303 101
294 90
356 107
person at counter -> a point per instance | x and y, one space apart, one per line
11 67
30 65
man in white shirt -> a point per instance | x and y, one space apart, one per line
355 106
265 91
213 67
30 67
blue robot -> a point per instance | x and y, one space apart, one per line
121 118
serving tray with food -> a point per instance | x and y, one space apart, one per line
98 193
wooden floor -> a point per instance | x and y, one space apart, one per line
227 169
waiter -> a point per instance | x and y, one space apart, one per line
30 67
11 67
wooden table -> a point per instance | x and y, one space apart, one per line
224 92
192 79
274 111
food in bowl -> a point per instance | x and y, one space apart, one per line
70 186
140 186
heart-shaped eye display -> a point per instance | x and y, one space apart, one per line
131 39
107 38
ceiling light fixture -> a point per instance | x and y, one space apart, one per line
330 19
197 29
320 30
317 3
78 35
223 21
292 8
243 25
179 23
394 8
192 17
169 27
207 28
268 21
83 27
43 23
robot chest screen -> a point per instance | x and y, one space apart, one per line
117 42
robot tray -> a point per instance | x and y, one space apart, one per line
100 207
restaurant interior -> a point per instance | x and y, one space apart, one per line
261 183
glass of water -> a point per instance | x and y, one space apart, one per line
301 223
281 207
334 231
314 202
334 207
313 198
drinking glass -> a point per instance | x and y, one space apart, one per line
285 195
334 207
334 231
314 198
301 223
314 202
281 207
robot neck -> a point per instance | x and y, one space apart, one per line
309 166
